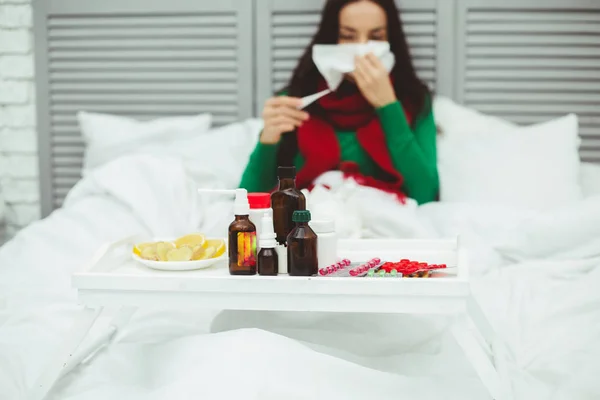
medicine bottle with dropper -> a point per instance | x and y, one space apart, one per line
242 237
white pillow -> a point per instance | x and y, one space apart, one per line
455 120
109 136
213 159
218 158
590 179
534 167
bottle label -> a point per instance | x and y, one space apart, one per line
246 246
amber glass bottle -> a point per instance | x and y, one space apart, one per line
285 201
268 260
242 238
302 247
242 246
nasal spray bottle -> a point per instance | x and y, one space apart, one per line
268 260
242 234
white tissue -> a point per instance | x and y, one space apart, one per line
335 60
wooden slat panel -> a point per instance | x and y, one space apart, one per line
517 39
69 172
72 109
171 54
529 51
68 8
144 87
147 65
534 63
142 76
195 20
173 31
492 86
591 131
125 44
86 98
535 97
539 16
142 62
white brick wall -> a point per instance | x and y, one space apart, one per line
19 184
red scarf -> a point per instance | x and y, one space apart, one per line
318 144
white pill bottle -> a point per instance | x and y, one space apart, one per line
327 241
260 204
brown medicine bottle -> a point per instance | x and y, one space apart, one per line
268 259
302 247
242 238
285 201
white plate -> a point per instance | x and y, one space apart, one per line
179 265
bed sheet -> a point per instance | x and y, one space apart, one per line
546 310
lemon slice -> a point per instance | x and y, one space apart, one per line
181 254
149 253
137 249
162 248
218 244
209 252
192 240
197 252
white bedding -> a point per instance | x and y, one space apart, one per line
539 289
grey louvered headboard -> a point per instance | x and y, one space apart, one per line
525 60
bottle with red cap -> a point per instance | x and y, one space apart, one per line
260 203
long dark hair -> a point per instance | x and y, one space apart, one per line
410 90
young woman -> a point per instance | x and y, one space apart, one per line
378 126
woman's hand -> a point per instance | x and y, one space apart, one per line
281 115
373 80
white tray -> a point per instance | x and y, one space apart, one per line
112 278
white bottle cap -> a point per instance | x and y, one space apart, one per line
241 205
322 225
267 232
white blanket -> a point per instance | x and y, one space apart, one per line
547 310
